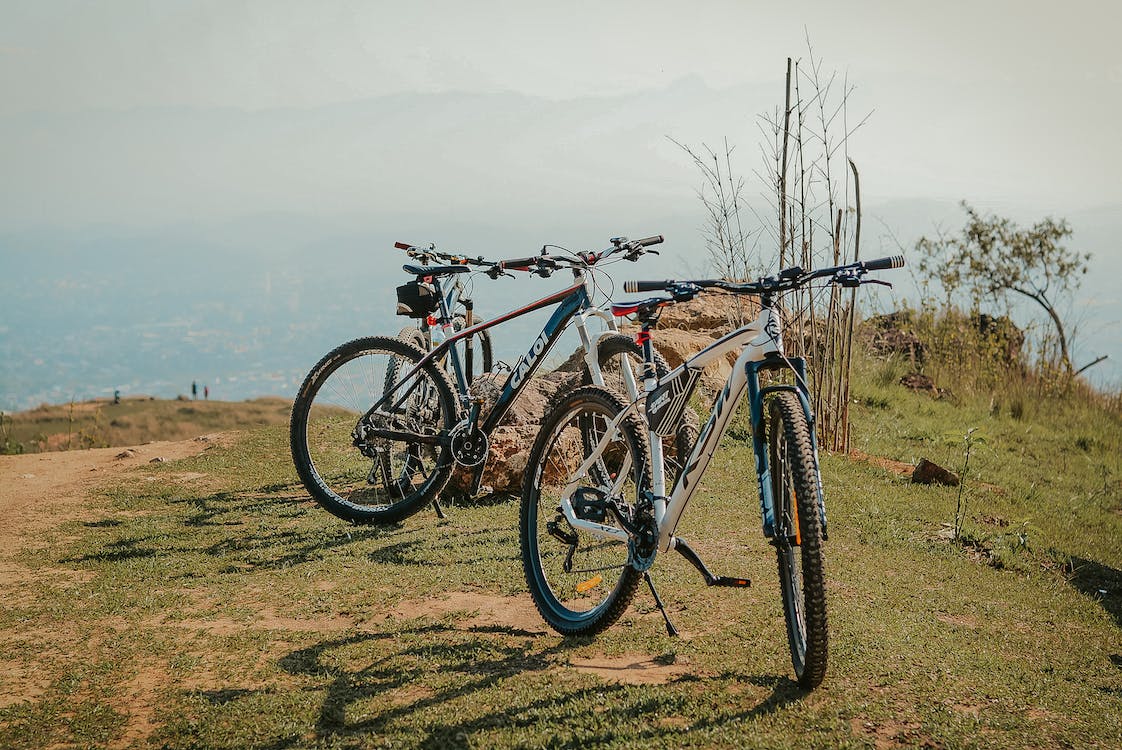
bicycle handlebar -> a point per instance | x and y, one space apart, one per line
543 265
790 278
521 264
883 264
646 286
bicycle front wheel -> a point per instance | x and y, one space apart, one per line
798 536
383 466
582 581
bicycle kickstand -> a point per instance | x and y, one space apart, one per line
670 629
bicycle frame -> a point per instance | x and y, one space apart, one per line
761 349
572 302
437 334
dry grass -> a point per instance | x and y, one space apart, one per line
134 421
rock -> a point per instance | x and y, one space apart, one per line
575 362
128 453
897 341
683 330
919 382
711 313
892 334
510 443
929 472
1006 338
158 460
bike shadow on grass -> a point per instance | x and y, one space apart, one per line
255 528
261 530
430 670
1100 582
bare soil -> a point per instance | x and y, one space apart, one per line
40 492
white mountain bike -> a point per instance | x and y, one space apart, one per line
596 510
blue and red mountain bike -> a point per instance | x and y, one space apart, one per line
379 424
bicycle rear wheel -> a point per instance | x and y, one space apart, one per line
611 352
475 351
581 582
344 463
798 537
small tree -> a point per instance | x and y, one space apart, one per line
726 239
993 257
809 221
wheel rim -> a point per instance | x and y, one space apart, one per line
578 570
790 551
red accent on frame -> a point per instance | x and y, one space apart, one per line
642 337
431 320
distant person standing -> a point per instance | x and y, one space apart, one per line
194 390
206 392
117 395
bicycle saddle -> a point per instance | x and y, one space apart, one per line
434 270
619 309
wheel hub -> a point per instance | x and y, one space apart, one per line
469 446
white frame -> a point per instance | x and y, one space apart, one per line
758 339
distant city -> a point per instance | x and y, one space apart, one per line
249 313
241 326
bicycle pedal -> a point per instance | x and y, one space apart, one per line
732 583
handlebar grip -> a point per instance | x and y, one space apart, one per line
648 241
402 245
645 286
519 263
882 264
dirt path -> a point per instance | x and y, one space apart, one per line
40 491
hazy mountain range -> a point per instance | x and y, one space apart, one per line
144 249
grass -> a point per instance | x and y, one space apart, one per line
228 611
140 419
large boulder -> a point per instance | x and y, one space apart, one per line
714 314
511 441
683 330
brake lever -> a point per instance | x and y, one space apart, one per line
496 271
877 281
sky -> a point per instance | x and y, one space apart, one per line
995 100
547 121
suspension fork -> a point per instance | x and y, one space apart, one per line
757 397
